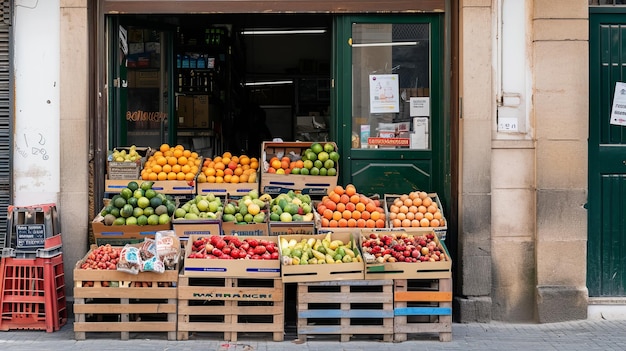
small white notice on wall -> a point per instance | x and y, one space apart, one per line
618 111
420 107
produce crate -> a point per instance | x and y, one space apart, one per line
128 170
32 294
321 272
441 230
29 227
246 229
422 307
184 228
405 270
346 309
282 183
292 228
52 247
221 268
161 186
226 189
110 301
233 307
120 235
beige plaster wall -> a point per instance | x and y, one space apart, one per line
74 135
521 196
561 81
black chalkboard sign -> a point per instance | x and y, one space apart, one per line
30 236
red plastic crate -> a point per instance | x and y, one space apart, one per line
32 294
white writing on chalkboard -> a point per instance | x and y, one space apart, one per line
30 235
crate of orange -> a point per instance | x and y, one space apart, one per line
172 168
228 174
416 209
344 209
281 160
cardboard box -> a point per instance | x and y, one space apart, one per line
291 228
405 270
128 170
441 230
227 189
161 186
281 183
322 272
241 268
121 235
246 229
184 111
204 112
184 228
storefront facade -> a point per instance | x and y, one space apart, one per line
512 168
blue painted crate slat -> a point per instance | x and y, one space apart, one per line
423 311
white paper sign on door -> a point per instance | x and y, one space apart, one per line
384 93
618 112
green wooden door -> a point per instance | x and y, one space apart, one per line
388 88
606 252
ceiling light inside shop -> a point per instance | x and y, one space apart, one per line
404 43
282 31
273 82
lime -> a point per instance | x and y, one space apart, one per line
248 218
275 217
332 172
147 185
126 193
311 156
155 201
295 170
304 171
143 202
133 185
126 211
164 218
137 211
308 164
329 147
132 201
119 202
150 193
318 163
131 221
148 211
120 221
334 156
323 171
153 219
142 220
323 156
317 148
329 164
115 211
315 171
179 213
138 193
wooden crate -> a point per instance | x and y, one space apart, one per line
161 186
421 307
117 302
346 309
231 307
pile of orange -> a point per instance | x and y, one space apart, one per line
345 207
416 209
172 163
283 165
229 168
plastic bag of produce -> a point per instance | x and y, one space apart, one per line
168 248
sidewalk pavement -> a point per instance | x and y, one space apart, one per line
584 335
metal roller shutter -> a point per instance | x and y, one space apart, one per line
6 106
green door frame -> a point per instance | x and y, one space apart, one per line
341 100
606 222
118 97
